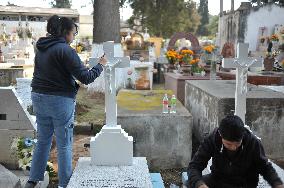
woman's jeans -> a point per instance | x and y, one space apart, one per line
54 114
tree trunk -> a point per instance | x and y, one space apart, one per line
106 21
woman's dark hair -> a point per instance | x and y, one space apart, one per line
232 128
60 26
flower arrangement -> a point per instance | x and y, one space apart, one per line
185 56
25 147
20 32
195 66
209 49
172 56
29 32
274 37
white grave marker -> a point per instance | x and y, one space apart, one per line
111 164
112 146
241 63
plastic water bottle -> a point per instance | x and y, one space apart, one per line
173 105
165 104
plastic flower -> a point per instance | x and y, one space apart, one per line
274 37
129 72
209 49
194 61
28 142
185 52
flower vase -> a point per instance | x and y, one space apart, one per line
213 70
275 45
208 59
186 69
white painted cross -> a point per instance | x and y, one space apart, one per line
110 86
241 63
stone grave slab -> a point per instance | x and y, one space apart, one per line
261 184
165 139
256 78
8 179
176 83
24 177
15 122
88 175
210 101
24 89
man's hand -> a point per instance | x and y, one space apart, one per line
103 60
279 186
205 186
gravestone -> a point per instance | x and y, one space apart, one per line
188 36
228 50
24 90
15 122
165 139
111 163
242 64
99 85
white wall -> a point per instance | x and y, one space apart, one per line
267 16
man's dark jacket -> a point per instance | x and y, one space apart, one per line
241 170
57 65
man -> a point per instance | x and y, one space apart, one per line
237 159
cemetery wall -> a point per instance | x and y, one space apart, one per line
243 24
266 16
209 103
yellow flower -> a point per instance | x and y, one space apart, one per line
209 48
190 52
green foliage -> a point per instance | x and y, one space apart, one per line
212 27
61 3
204 21
163 18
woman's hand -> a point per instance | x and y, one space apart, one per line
103 61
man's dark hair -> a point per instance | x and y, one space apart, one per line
232 128
60 26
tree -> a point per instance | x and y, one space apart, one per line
61 4
212 27
204 14
106 21
164 17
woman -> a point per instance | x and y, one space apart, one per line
54 88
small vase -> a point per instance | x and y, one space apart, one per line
186 69
213 70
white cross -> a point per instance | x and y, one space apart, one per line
146 30
241 63
110 86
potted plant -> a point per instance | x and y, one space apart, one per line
172 57
186 57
